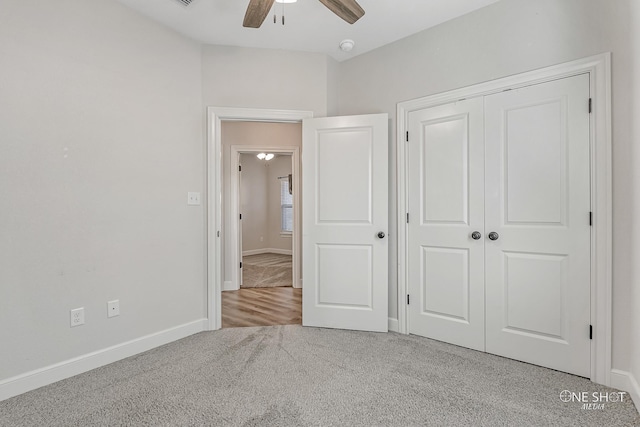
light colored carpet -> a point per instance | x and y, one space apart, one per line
266 271
295 376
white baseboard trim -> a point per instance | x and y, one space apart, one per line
228 286
267 251
393 325
44 376
624 380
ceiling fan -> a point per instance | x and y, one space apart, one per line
257 11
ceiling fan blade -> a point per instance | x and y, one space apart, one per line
349 10
256 13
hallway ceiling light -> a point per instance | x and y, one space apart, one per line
266 156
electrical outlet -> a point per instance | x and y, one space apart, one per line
193 198
77 317
113 308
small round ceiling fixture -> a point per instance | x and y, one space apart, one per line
346 45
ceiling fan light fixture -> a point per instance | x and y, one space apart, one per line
286 1
261 156
347 45
269 156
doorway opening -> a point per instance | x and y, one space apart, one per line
261 231
266 295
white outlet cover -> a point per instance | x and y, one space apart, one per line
193 198
113 308
77 317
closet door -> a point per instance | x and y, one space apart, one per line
446 197
538 205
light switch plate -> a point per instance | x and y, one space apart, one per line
193 198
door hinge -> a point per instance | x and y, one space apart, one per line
591 218
407 136
590 105
239 168
240 216
407 299
407 217
240 265
218 233
590 332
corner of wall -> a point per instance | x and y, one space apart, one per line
626 381
333 83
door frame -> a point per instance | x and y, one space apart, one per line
599 69
234 231
215 117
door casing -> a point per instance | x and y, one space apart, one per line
215 117
599 69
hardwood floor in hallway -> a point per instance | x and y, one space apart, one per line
262 307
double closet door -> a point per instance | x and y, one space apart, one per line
499 230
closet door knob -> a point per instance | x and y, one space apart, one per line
493 236
381 235
476 235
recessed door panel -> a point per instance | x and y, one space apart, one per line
536 162
445 178
445 283
345 275
538 204
535 293
344 166
446 205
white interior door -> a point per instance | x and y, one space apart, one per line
345 198
538 203
446 206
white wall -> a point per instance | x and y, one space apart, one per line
101 138
506 38
260 203
257 134
333 79
265 78
254 200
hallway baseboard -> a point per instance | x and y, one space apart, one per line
267 251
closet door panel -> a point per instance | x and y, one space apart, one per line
538 204
446 186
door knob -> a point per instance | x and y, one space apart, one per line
476 235
381 235
493 236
